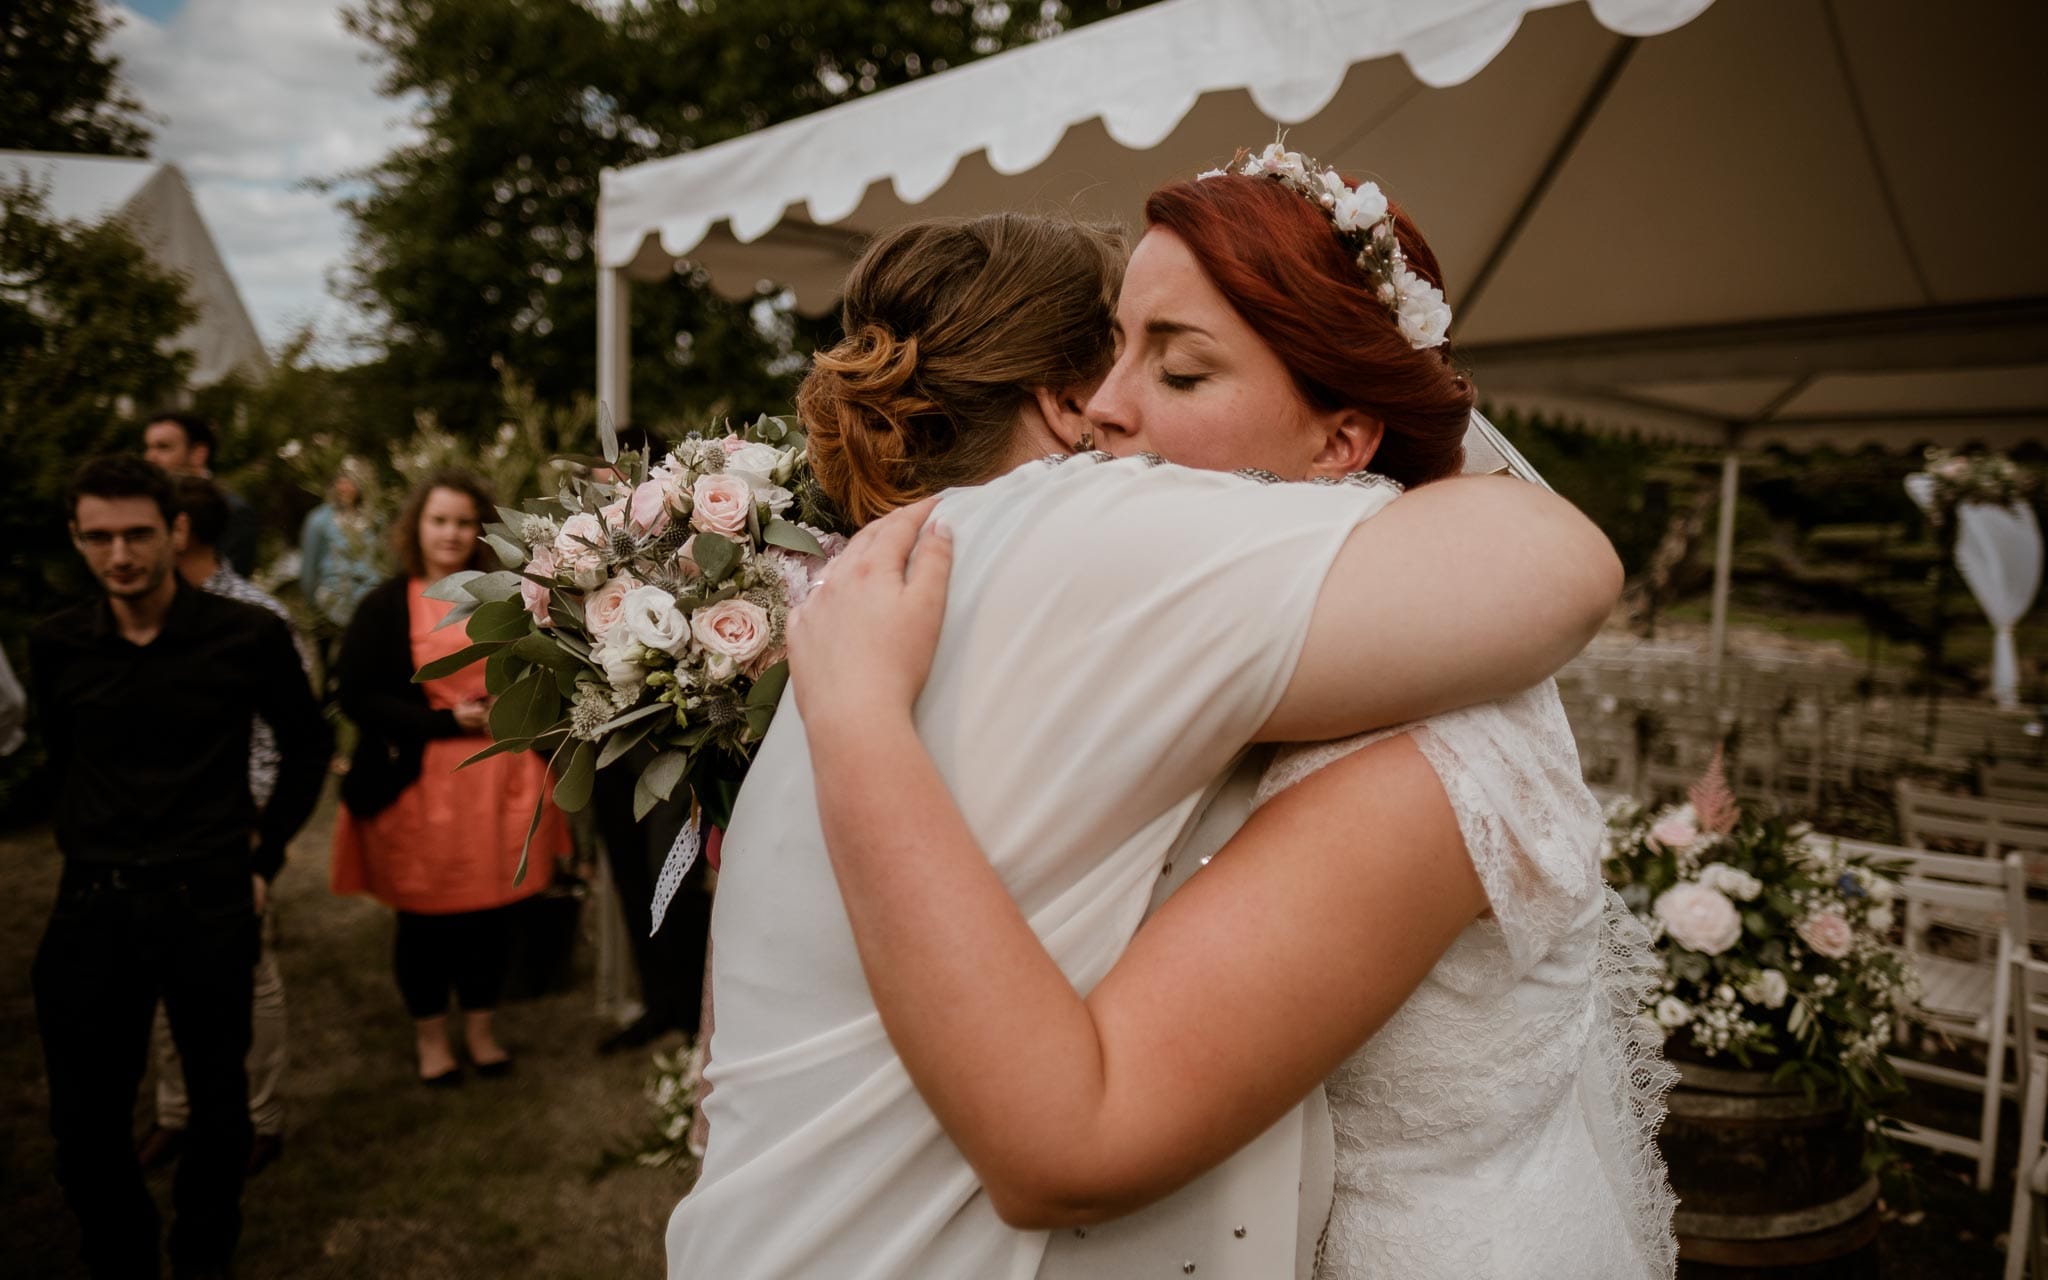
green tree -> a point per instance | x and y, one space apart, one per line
85 319
474 242
58 91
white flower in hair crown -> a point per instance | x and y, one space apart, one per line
1363 220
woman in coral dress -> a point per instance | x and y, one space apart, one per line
438 844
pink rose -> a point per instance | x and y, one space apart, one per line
1699 918
541 564
1674 832
1828 933
607 606
647 511
732 444
578 557
723 503
613 514
735 629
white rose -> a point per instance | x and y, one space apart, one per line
1359 208
1423 318
757 462
1768 989
1881 889
1880 918
1673 1013
1733 881
1699 918
650 618
736 629
621 663
583 562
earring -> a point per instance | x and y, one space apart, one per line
1086 443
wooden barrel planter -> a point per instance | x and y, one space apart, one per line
1769 1184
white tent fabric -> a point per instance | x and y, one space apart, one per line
152 198
1788 222
1998 550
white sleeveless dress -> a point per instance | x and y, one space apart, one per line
1501 1125
1115 633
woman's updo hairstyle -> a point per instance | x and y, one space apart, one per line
1281 264
951 324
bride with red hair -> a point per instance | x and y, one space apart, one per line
1030 719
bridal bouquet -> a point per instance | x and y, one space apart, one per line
1776 948
646 605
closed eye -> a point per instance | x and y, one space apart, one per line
1179 381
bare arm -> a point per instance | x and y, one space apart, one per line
1302 937
1460 592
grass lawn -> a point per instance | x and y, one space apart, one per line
380 1177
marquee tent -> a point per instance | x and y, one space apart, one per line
152 198
1735 224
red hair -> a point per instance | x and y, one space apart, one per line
1280 263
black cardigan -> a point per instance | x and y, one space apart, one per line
391 715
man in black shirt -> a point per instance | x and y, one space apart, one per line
145 698
184 444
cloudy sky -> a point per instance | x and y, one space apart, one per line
261 95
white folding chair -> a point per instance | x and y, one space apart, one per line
1967 999
2023 1242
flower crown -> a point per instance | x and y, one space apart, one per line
1362 219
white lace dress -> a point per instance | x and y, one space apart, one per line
1502 1123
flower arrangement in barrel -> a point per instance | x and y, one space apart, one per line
645 603
1777 947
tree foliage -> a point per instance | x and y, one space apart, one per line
58 91
475 241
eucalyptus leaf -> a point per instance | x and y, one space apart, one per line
500 620
540 805
527 709
768 687
515 519
634 716
622 741
456 661
666 770
498 749
572 791
500 584
457 613
543 650
644 799
502 668
565 680
452 588
508 551
715 555
607 434
791 536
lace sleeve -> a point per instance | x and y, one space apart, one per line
1532 829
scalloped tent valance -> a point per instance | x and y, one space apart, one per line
1764 221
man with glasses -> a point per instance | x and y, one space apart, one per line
146 696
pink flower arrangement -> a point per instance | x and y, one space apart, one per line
1827 933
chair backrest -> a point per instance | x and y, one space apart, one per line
1991 827
2013 780
2030 993
1953 891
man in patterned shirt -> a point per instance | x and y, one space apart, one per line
205 510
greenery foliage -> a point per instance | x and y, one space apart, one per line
58 90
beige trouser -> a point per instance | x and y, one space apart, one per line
266 1051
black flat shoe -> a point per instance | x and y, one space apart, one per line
493 1070
638 1034
449 1079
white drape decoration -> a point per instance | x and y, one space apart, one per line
1998 549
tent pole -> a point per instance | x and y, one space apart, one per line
614 357
1724 552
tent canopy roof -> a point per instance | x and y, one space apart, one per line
1764 221
152 198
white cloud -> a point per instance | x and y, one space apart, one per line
261 95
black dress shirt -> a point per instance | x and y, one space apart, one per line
149 744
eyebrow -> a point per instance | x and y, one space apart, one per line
1174 329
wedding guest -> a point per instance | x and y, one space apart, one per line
438 844
146 696
337 556
200 564
184 444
